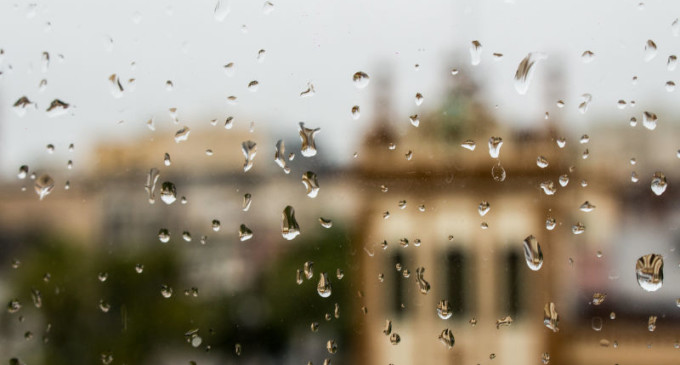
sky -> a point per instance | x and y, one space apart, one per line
320 43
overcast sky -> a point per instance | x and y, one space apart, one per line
322 42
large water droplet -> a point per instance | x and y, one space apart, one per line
532 253
244 233
650 50
495 144
360 79
446 337
525 71
249 149
307 138
550 317
498 172
563 180
289 226
43 186
649 272
423 285
444 309
659 183
280 156
168 192
310 182
649 120
222 9
475 53
324 287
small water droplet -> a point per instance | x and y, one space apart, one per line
532 253
586 207
444 309
253 86
260 55
249 149
670 86
525 71
222 9
247 200
498 172
23 172
548 187
503 322
419 99
586 99
331 347
21 105
495 144
483 208
57 108
672 62
388 327
356 112
360 79
309 91
578 228
414 120
164 235
446 337
238 349
550 223
650 50
339 274
310 182
166 291
649 120
43 186
588 57
308 148
139 268
267 7
308 269
13 306
651 323
475 53
561 142
454 71
244 233
289 226
423 285
550 317
325 223
324 287
541 162
598 298
279 156
395 338
659 183
230 69
469 145
649 272
168 192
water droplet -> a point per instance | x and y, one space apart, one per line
249 149
139 268
253 86
166 159
585 103
116 86
548 187
289 226
649 272
503 322
13 306
222 9
182 134
563 180
244 233
388 327
454 71
659 183
497 56
339 274
649 120
446 337
307 138
164 235
395 339
634 177
419 99
169 85
267 7
23 172
325 223
279 156
475 53
310 182
230 69
57 108
561 142
150 186
598 298
550 317
237 349
672 62
166 291
104 306
43 186
386 214
651 323
324 287
314 326
542 162
525 71
578 228
260 55
409 155
21 105
423 285
444 309
356 112
532 253
414 120
498 172
586 207
331 347
587 57
670 86
308 269
360 79
550 223
495 144
168 192
483 208
469 145
247 200
650 50
309 91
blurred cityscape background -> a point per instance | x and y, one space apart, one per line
383 221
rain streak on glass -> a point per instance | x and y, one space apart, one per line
649 272
289 226
525 71
495 144
444 309
650 50
244 233
308 148
249 149
423 285
659 183
324 286
475 53
168 192
43 186
532 253
446 337
550 317
310 182
360 79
